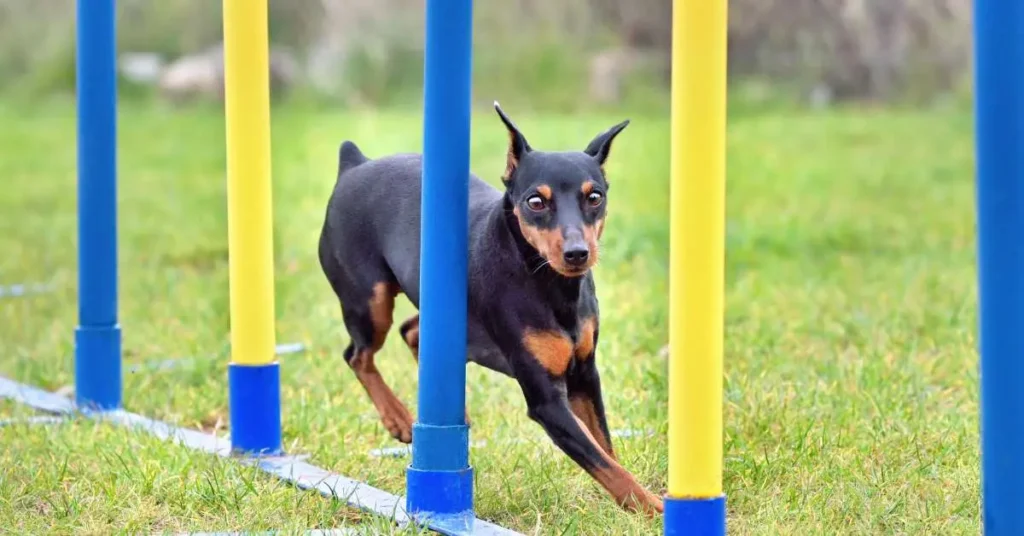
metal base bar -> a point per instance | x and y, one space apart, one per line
176 362
35 419
23 289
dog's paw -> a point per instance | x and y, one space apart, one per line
398 421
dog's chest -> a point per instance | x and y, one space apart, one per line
582 331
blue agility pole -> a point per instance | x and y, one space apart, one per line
98 336
439 479
999 108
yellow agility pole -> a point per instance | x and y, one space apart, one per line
695 503
247 106
253 374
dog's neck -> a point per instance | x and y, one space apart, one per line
560 288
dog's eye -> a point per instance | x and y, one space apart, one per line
594 198
536 202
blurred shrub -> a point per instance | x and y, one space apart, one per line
852 49
369 52
37 37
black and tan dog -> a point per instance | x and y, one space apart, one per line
532 311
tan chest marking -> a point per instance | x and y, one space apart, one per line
552 349
585 340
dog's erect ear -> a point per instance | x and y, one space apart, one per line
517 145
602 144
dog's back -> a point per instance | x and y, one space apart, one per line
374 215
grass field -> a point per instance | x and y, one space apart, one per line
850 384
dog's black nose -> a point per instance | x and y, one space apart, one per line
576 256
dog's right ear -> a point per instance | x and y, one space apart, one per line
517 146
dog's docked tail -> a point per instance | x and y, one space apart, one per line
349 156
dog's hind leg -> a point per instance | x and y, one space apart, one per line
410 332
368 322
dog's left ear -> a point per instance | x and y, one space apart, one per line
517 145
602 144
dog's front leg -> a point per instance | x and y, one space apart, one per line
586 402
540 362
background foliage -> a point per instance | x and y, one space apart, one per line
555 55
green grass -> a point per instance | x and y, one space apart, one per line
850 350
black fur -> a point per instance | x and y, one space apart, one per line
371 234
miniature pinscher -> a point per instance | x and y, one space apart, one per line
538 238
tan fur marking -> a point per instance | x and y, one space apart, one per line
393 414
626 491
552 349
583 409
382 307
547 242
591 233
585 340
545 191
588 186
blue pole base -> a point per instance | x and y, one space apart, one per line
98 367
439 481
442 498
254 404
695 517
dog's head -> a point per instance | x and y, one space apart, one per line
559 198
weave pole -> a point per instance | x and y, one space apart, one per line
999 110
695 504
253 375
439 480
98 335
